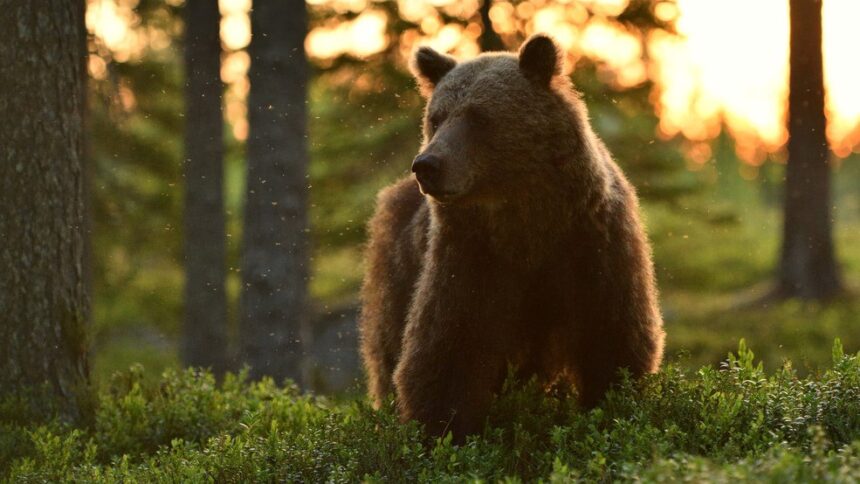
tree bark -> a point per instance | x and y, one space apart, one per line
204 336
808 268
489 39
43 306
275 249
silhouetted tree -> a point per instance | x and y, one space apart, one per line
43 305
808 266
275 248
204 336
489 40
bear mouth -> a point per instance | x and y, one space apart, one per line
439 195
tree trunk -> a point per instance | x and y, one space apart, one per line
489 40
204 336
275 248
43 306
808 267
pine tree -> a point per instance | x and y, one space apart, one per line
808 266
43 305
275 246
204 337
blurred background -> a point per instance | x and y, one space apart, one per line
691 97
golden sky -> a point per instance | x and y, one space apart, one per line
729 63
732 63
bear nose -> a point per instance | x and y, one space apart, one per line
427 169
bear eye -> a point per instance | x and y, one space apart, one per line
478 117
436 121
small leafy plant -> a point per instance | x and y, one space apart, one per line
734 422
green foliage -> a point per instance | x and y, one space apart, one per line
135 127
711 424
626 122
362 138
24 408
715 252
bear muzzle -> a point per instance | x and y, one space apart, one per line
428 173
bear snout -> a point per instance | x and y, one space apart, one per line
428 172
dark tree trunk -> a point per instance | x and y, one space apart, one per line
489 40
204 336
808 267
43 306
275 248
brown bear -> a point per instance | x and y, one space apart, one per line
517 241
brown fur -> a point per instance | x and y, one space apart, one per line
528 250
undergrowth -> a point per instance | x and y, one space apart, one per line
725 424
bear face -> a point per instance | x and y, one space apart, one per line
493 123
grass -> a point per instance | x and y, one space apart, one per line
736 422
716 254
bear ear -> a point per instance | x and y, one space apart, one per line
541 59
429 67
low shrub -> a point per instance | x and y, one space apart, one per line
735 422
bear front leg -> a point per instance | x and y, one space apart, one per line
620 326
446 391
393 259
600 361
383 317
456 346
379 361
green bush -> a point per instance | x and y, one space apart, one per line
723 424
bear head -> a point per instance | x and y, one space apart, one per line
493 125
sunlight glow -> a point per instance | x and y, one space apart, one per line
740 73
620 50
235 31
729 65
842 75
737 74
361 37
112 21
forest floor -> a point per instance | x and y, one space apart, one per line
714 271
